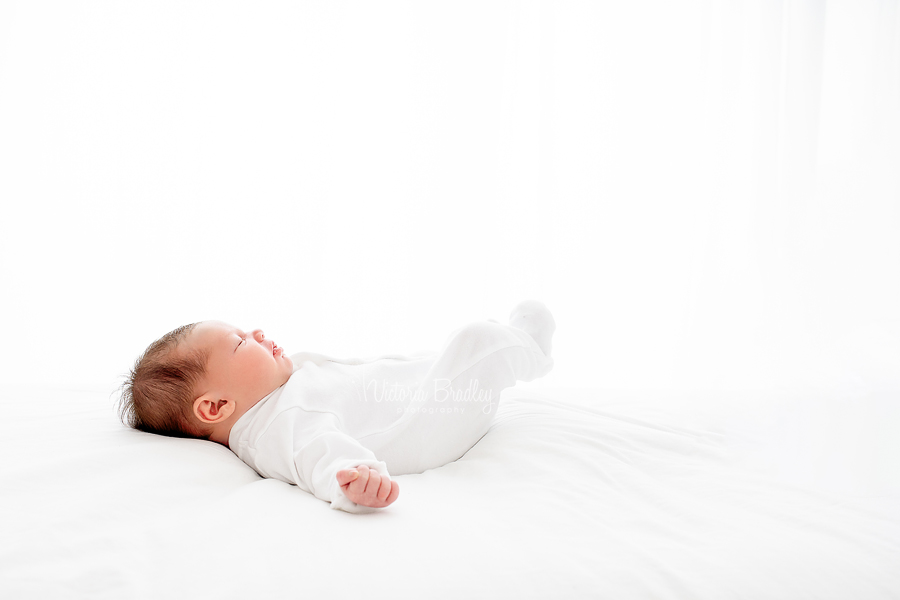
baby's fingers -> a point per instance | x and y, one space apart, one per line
385 489
394 493
380 494
374 483
358 485
345 476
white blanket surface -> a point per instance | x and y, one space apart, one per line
572 493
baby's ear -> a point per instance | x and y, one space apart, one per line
212 410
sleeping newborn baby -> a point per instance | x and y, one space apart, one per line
335 428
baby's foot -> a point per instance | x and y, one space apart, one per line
535 319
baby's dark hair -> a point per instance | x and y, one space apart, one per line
158 394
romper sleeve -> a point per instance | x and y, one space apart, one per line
318 459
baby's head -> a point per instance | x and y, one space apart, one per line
197 380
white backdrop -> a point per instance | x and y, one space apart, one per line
706 193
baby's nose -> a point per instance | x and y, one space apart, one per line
259 335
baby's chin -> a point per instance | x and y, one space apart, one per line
289 367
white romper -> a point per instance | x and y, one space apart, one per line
395 414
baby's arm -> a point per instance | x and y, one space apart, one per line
368 487
308 449
319 460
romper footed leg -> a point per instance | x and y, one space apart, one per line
494 355
458 398
535 319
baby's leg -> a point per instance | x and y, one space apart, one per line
535 319
456 402
492 355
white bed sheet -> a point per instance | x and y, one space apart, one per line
573 493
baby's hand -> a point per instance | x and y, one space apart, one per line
368 487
